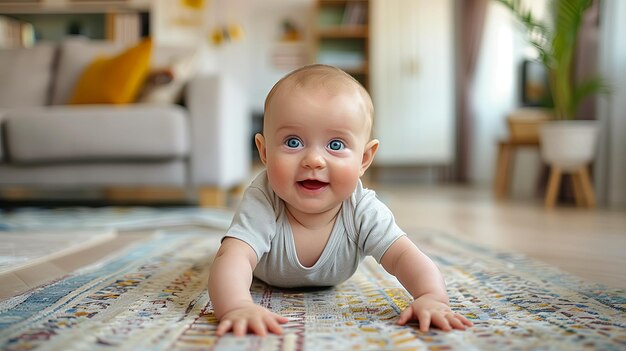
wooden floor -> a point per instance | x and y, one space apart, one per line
587 243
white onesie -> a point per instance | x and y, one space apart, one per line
365 226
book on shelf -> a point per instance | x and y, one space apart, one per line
127 28
355 13
344 60
288 55
15 33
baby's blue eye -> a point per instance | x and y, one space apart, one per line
293 143
336 145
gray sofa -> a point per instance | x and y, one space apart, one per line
199 148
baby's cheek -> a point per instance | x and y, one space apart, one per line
345 178
279 172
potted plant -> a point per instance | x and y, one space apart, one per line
565 143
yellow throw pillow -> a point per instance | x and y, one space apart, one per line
114 80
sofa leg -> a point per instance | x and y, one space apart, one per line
16 194
144 194
237 191
212 197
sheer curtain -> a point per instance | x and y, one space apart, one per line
587 56
471 19
610 168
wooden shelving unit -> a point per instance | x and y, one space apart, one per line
341 36
353 32
123 21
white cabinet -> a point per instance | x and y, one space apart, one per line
412 81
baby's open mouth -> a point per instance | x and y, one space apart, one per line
312 184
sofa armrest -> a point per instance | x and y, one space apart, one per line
220 129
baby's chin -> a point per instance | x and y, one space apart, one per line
311 208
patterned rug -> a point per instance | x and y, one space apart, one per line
152 296
122 218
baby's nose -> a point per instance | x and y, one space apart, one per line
313 159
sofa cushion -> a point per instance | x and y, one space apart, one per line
74 56
26 76
96 133
114 80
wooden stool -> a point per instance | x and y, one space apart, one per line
583 191
523 126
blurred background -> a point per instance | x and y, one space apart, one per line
445 75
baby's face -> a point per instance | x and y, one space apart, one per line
314 147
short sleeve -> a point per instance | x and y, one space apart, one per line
255 220
375 225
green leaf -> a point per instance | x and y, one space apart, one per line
594 85
556 45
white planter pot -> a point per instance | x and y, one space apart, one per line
568 145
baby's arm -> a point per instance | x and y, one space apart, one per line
422 279
229 289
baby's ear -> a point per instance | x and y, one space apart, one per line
368 155
259 140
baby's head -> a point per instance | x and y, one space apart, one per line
316 137
327 79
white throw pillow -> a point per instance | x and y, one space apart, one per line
181 68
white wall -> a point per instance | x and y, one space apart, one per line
247 60
496 93
265 33
164 28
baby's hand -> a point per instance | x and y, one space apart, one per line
427 310
250 317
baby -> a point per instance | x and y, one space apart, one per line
306 220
